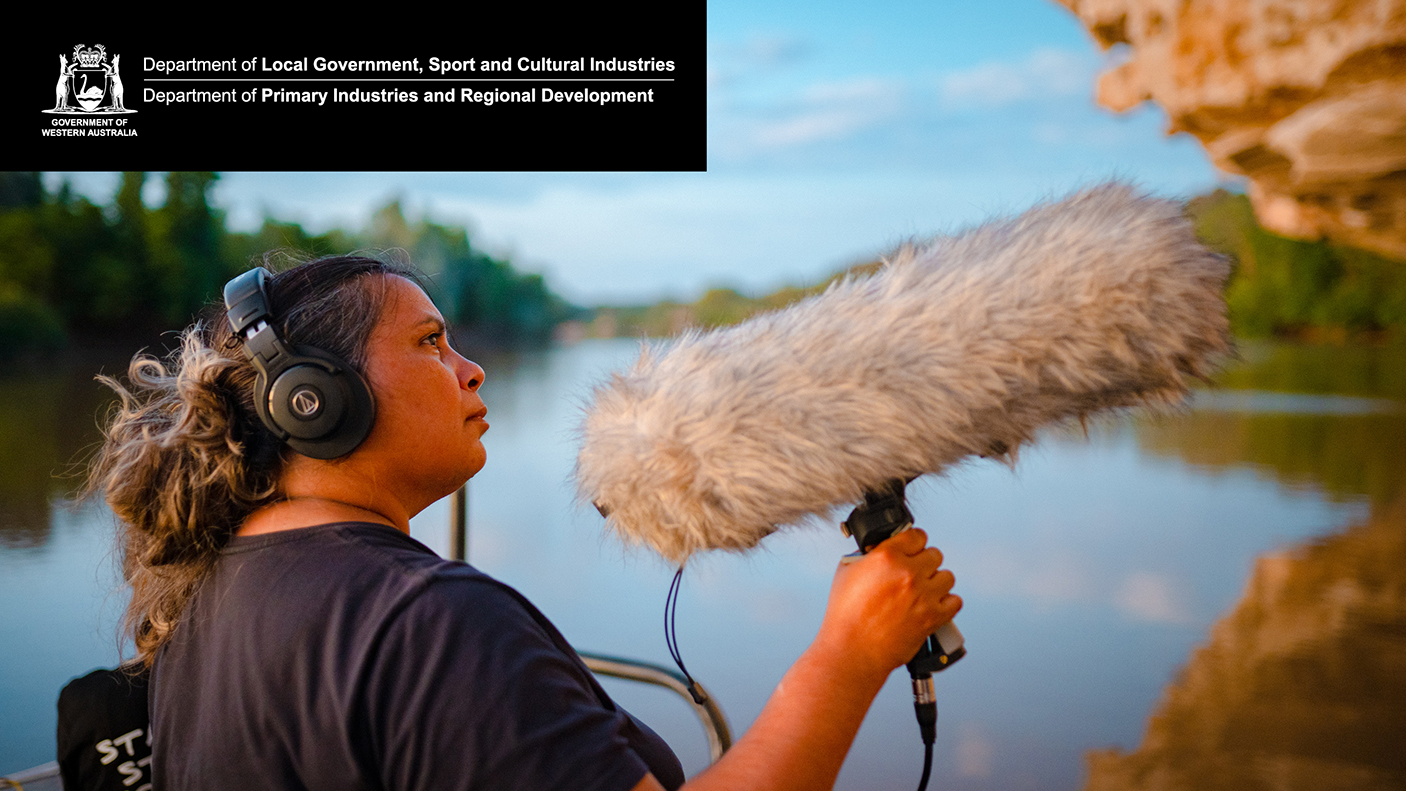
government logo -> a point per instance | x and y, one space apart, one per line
89 84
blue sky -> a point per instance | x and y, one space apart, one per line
835 132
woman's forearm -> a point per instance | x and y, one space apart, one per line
880 610
800 739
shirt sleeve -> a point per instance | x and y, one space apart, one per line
466 689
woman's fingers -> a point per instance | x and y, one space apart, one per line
909 542
910 549
883 606
948 607
929 561
930 584
943 581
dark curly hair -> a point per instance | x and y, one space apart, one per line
185 459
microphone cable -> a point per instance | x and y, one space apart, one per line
671 636
927 767
925 706
934 655
883 514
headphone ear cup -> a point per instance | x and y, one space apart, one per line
308 401
322 404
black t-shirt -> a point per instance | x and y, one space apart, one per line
103 743
349 656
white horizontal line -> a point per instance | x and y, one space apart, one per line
407 79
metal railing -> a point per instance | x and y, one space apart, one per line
40 778
714 722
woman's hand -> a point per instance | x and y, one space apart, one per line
881 608
883 605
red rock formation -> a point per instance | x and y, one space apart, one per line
1307 98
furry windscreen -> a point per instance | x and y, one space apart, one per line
963 346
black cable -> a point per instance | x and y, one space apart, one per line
925 706
671 635
670 610
927 766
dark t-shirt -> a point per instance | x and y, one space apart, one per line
349 656
103 743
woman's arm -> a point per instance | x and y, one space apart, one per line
881 609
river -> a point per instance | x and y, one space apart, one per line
1160 595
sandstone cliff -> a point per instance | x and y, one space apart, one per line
1307 98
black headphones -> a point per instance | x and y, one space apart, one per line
308 398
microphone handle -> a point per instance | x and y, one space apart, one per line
884 513
938 652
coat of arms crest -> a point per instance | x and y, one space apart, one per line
89 83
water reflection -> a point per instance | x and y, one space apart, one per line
1302 685
1091 573
1360 371
47 424
1345 455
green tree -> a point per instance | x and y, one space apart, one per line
476 291
84 260
1283 286
27 320
186 240
69 264
20 190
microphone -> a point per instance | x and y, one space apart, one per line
963 346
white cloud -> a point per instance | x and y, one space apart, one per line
1058 578
1045 72
729 64
674 234
1147 596
776 607
1046 579
832 111
1050 133
975 753
766 51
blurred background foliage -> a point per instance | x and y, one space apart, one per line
1313 291
1307 290
716 308
74 271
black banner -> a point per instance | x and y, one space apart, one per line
586 90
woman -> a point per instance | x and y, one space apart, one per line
300 639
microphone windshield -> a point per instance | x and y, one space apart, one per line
963 346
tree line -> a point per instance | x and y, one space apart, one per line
1315 291
73 270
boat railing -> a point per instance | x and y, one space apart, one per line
46 777
41 778
714 722
709 713
715 725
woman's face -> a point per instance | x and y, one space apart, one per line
429 417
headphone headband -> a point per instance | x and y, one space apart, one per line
307 397
246 300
